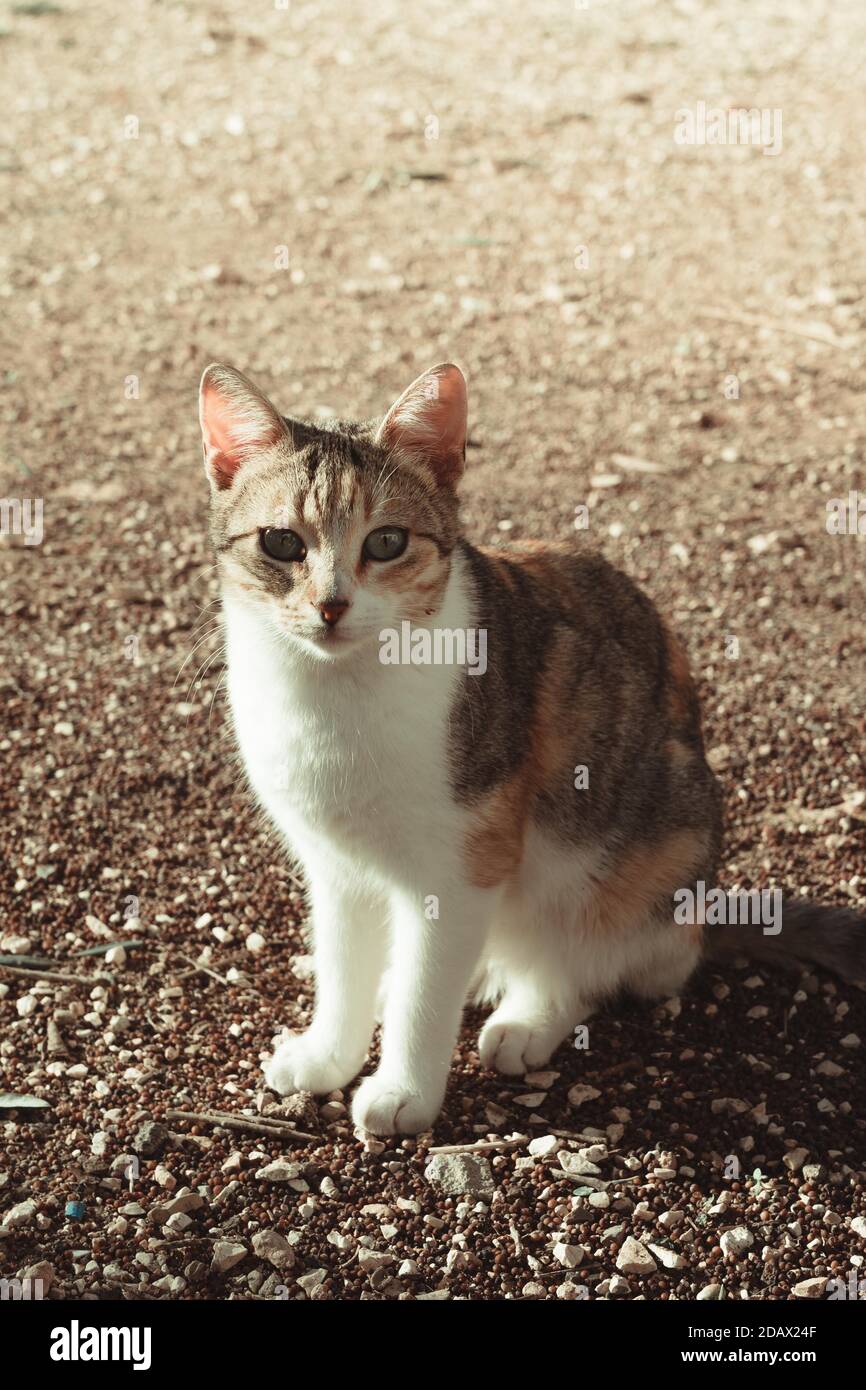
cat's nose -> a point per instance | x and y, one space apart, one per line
332 611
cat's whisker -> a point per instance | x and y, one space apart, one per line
202 671
205 636
220 685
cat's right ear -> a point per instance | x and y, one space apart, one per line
237 421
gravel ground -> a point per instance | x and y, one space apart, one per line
334 200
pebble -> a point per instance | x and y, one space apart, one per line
576 1166
671 1259
828 1068
708 1292
736 1241
271 1246
374 1259
20 1215
184 1202
279 1171
150 1139
794 1159
16 945
43 1271
579 1094
570 1291
569 1256
542 1079
810 1288
545 1144
226 1254
634 1258
533 1290
457 1174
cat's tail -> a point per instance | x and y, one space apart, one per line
801 933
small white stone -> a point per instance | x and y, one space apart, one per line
599 1199
634 1258
671 1259
810 1288
226 1254
543 1079
569 1256
20 1215
375 1259
577 1167
828 1068
279 1171
737 1240
794 1159
579 1095
273 1247
545 1144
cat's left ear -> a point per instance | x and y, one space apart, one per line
237 421
429 421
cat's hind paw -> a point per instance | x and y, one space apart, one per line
382 1106
300 1063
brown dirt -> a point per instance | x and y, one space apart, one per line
131 262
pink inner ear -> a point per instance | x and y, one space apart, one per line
232 429
430 419
217 421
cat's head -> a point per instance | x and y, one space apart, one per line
334 532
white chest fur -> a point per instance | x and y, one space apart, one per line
352 756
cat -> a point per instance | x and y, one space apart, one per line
515 835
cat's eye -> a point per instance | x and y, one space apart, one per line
386 543
281 544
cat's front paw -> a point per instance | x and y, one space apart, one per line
301 1063
385 1106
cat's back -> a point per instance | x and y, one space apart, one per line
588 715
